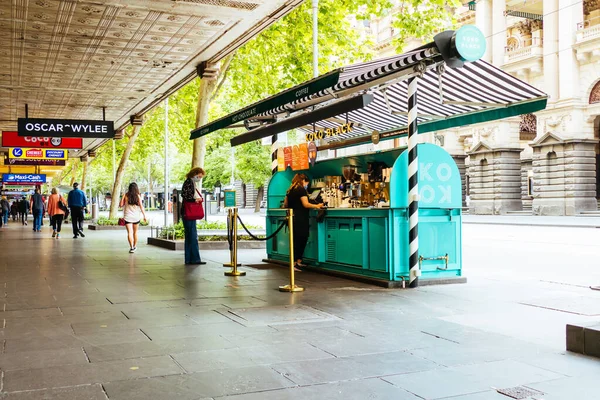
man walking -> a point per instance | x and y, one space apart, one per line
24 210
37 208
77 203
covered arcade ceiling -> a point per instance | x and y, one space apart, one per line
69 58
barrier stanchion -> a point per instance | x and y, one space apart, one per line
292 287
230 238
234 271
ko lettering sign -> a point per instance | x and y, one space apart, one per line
11 179
66 128
12 139
434 185
37 154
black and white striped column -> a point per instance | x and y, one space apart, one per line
274 148
413 184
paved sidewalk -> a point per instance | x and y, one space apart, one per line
83 319
533 220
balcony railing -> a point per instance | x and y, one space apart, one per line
523 53
587 31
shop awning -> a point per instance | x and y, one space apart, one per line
477 92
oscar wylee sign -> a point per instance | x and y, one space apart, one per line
66 128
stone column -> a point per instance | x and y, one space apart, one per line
498 32
462 169
551 48
564 175
569 15
495 179
483 20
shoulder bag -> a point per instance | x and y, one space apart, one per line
193 211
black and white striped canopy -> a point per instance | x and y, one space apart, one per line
477 92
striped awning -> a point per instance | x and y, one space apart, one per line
447 98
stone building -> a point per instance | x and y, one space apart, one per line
547 163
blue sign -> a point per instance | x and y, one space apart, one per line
470 43
24 178
17 152
58 154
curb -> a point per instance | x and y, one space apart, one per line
224 245
530 224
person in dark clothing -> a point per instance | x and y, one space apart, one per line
77 203
5 207
37 209
190 194
14 210
24 208
297 199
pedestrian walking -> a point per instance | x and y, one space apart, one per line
24 208
14 210
296 198
191 198
37 209
5 207
133 209
77 203
57 208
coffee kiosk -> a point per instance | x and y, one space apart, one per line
393 215
365 233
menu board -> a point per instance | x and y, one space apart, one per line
287 157
280 159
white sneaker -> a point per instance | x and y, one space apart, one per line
132 250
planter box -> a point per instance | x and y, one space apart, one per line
110 227
178 244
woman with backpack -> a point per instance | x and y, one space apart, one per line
56 210
133 209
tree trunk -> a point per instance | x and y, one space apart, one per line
116 191
207 87
84 175
74 169
259 197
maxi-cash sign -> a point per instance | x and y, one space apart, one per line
66 128
23 178
37 154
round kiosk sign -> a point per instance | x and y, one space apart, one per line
470 43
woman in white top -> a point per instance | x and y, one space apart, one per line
133 208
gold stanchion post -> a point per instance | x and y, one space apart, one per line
292 287
231 222
234 271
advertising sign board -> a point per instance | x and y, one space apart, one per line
12 139
12 179
66 128
37 154
45 163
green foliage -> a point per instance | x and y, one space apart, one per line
179 231
419 19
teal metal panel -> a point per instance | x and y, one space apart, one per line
377 244
366 243
439 179
278 186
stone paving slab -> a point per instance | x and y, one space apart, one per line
72 326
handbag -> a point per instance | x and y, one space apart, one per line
193 211
63 207
121 221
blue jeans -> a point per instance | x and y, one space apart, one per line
5 217
37 220
192 252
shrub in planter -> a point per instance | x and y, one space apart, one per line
103 221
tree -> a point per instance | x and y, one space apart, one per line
116 190
252 168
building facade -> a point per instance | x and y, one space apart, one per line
547 163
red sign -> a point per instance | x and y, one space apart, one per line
12 139
34 153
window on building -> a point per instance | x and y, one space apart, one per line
530 183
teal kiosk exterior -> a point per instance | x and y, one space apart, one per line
372 243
